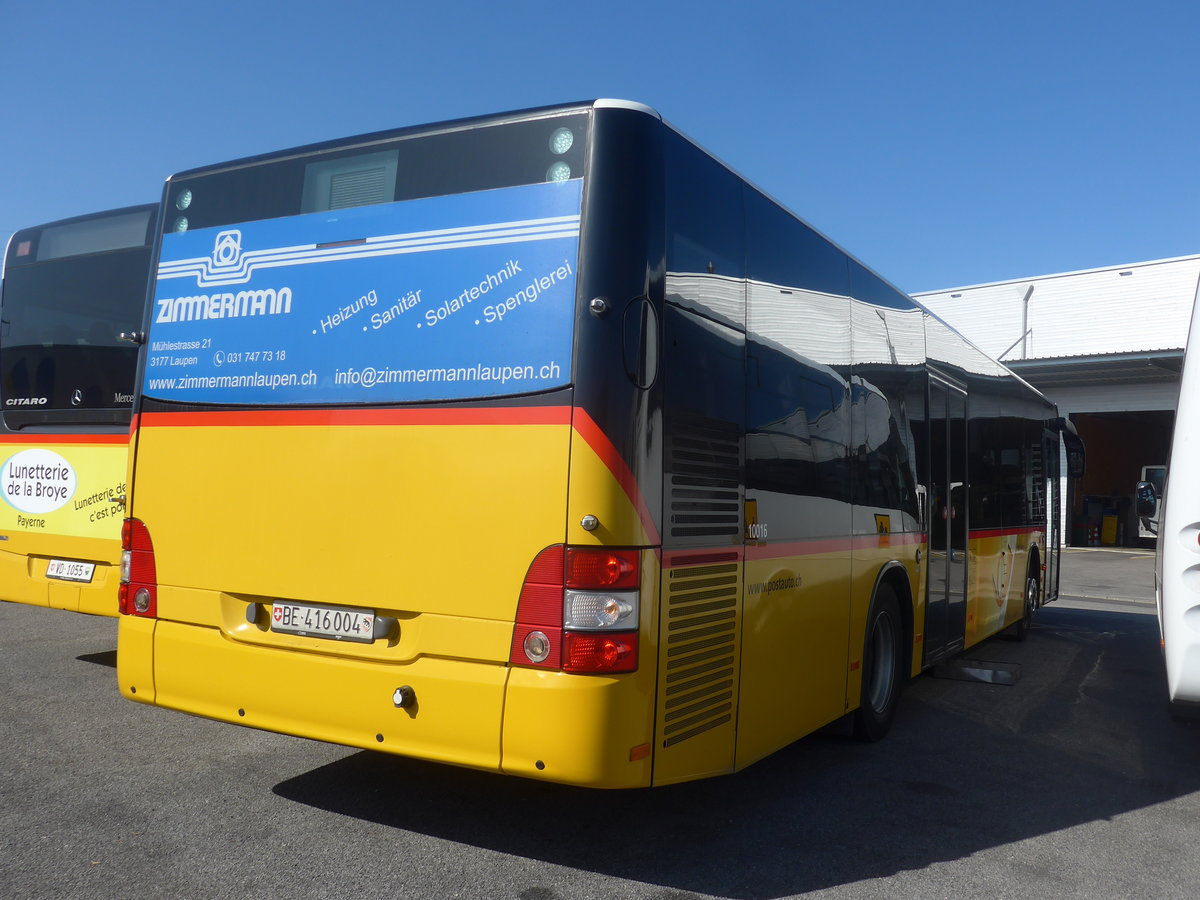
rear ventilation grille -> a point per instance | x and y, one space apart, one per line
361 188
705 478
701 649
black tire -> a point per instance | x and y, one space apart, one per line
1183 712
1033 593
883 660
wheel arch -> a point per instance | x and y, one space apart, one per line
895 576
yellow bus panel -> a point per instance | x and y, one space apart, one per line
62 502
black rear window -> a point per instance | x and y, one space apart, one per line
404 168
69 290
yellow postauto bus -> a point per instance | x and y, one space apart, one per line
70 289
543 443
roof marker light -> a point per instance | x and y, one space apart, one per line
561 140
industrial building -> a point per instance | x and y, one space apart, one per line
1106 345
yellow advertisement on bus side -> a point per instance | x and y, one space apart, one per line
69 489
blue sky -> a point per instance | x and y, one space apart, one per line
943 143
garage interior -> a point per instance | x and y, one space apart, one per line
1121 443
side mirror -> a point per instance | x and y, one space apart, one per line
1076 457
1146 499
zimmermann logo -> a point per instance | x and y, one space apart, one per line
227 251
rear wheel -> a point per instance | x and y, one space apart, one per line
1033 591
1183 712
881 667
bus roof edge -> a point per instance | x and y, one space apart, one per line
609 103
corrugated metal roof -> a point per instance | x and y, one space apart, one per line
1136 308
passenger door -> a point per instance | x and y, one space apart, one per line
946 603
1050 452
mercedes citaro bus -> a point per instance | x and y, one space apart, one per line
544 443
71 289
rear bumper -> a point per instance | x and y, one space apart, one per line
563 728
196 669
23 580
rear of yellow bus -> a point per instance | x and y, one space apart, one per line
368 502
70 289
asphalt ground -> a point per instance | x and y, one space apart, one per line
1071 782
1103 575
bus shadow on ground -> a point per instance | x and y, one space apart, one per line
104 658
1083 736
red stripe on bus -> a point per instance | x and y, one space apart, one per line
799 548
888 539
586 427
484 415
843 544
678 559
64 439
1005 532
815 546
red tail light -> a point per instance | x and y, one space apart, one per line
138 593
591 569
537 636
572 600
599 653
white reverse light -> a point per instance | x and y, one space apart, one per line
590 610
537 646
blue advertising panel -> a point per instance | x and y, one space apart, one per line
442 298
